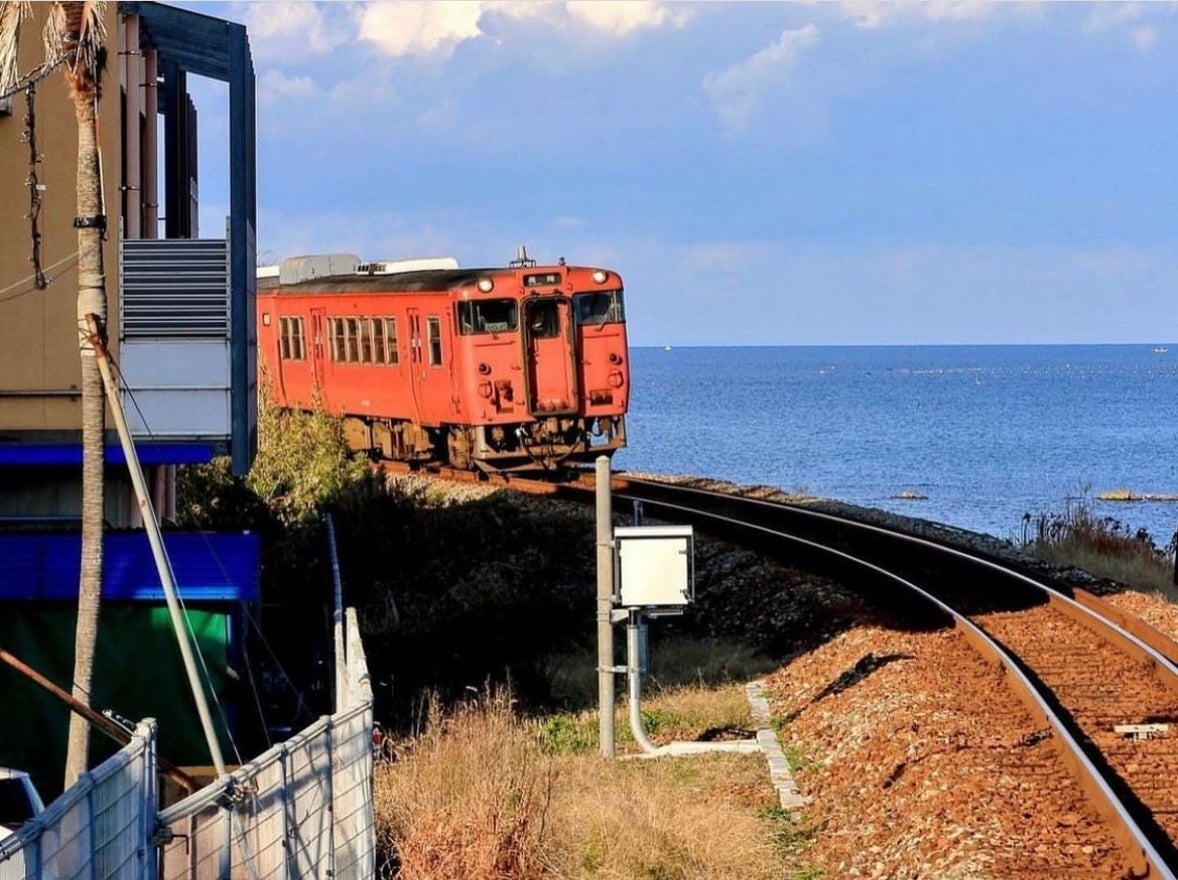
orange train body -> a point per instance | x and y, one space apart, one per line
509 369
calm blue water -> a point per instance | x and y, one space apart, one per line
988 433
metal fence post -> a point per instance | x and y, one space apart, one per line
149 802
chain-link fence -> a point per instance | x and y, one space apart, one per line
303 809
100 829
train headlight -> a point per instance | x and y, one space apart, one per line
599 276
485 389
484 368
615 358
486 285
615 378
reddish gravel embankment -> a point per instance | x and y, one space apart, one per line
917 760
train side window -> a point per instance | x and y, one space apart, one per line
390 332
365 340
290 339
353 340
378 351
434 329
297 350
284 339
338 346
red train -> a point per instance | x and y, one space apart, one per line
517 368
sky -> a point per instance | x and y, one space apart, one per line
759 173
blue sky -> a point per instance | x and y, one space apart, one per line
759 173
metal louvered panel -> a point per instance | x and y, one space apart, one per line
175 288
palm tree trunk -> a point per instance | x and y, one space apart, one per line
91 301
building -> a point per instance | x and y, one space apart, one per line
180 326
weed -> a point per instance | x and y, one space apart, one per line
567 734
790 836
1104 546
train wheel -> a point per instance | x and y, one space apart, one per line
458 448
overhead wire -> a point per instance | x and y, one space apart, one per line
49 279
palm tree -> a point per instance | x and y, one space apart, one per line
74 35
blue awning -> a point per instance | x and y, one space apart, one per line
71 453
207 566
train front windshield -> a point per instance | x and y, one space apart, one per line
594 309
488 316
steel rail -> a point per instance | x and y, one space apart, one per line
1136 843
1146 644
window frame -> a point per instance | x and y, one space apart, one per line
433 336
392 353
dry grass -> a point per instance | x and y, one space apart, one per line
1101 545
478 796
468 797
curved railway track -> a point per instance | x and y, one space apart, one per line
1105 686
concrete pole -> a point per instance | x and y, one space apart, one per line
605 591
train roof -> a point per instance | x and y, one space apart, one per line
403 282
414 281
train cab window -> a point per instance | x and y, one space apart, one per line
488 316
434 330
353 340
543 319
390 334
290 339
365 340
606 307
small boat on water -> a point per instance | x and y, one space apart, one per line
1161 349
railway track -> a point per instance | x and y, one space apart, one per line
1103 687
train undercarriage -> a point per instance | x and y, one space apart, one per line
546 444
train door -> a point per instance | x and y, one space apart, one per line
550 356
318 353
416 361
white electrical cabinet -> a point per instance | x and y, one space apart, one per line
654 566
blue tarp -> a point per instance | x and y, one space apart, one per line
207 566
71 453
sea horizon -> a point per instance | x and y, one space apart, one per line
982 433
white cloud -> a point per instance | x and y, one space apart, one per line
623 18
401 28
1124 18
274 86
280 31
1105 16
735 92
871 15
1144 38
411 28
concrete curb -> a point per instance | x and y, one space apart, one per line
779 772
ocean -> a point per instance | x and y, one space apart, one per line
985 433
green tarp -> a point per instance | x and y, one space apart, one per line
138 674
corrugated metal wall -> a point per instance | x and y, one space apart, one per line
175 288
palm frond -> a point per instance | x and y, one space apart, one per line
75 33
11 12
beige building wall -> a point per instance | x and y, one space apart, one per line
39 361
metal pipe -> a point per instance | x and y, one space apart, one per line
155 538
605 592
634 673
